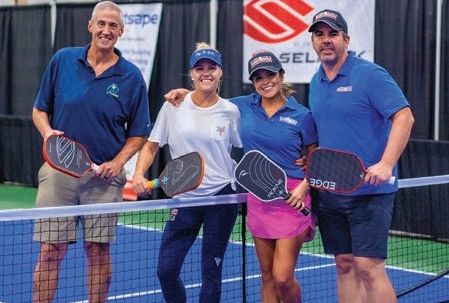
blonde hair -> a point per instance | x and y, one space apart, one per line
287 88
108 5
202 45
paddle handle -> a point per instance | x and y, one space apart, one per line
305 211
392 180
153 184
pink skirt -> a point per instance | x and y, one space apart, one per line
277 219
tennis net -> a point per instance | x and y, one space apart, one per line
414 259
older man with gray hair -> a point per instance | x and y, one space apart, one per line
94 96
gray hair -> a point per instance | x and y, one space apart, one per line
108 5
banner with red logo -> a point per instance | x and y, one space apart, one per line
281 26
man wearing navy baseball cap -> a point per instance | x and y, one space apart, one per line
332 18
357 107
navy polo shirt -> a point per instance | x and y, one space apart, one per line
353 111
99 112
280 137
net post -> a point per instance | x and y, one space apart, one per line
243 233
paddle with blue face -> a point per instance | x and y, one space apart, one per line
260 176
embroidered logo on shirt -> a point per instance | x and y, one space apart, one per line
288 120
221 130
344 89
217 261
112 90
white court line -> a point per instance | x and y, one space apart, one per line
301 253
431 274
232 280
197 285
145 228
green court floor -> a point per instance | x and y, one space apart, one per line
16 196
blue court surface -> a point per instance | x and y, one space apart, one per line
134 278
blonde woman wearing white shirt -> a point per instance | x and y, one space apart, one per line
208 124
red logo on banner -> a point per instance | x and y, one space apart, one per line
274 21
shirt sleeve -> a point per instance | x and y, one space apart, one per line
308 130
45 96
386 97
139 116
160 131
235 131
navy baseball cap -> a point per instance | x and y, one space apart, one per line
332 18
264 60
206 53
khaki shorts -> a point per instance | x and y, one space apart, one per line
59 189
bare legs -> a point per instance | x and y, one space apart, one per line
362 279
277 259
99 271
45 278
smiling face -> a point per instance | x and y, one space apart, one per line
268 84
106 27
206 76
330 45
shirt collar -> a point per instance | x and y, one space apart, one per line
291 101
344 69
118 69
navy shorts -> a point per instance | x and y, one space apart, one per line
357 225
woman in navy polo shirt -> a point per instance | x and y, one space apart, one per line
281 128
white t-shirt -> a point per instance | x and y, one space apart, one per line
209 131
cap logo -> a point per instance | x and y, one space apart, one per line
204 52
262 59
326 15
